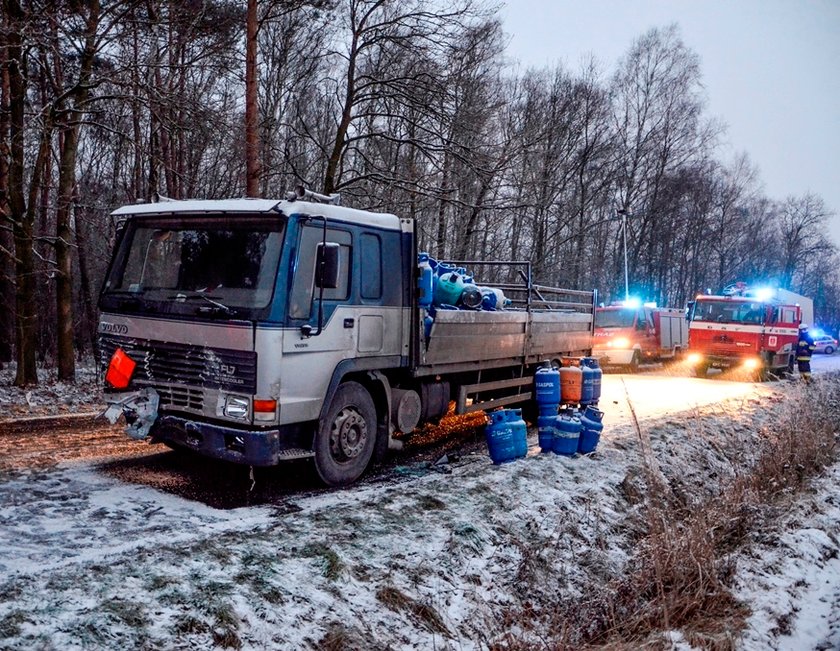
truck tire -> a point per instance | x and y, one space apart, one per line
346 436
701 370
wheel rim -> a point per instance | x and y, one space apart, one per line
348 434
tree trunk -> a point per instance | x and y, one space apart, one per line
22 219
66 188
7 288
252 144
84 277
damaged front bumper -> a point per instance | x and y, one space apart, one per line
140 409
254 448
250 447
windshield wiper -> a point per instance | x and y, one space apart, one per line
216 307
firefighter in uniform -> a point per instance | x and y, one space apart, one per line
804 348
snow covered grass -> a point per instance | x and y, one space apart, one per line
545 552
50 397
679 580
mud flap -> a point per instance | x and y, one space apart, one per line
140 409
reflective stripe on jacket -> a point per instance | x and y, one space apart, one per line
805 346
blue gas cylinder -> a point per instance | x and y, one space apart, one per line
587 382
425 280
547 387
520 429
546 430
591 428
444 268
428 322
448 288
592 375
567 436
507 435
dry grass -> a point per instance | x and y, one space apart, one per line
679 577
424 614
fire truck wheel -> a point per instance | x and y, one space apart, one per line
346 436
634 363
701 370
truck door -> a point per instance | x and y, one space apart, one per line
304 296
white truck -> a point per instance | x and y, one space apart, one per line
259 330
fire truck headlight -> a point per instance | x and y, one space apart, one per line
694 358
751 363
237 407
620 342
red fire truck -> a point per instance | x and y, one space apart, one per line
752 329
630 333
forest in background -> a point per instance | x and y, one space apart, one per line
406 106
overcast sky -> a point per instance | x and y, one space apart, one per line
771 70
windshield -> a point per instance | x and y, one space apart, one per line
729 312
614 318
197 265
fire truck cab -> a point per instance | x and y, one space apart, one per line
628 334
755 330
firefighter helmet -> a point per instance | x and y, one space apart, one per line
803 326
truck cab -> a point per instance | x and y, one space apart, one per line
756 333
630 334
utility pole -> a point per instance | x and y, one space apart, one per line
622 213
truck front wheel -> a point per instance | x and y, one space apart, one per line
346 436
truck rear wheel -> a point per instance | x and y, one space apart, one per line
346 436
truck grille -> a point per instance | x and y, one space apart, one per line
181 397
194 366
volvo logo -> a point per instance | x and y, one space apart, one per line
113 328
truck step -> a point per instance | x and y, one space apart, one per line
295 453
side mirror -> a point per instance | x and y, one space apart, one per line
688 308
326 265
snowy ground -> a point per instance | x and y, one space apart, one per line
416 562
50 397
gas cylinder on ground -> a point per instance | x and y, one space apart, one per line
587 382
567 434
596 374
571 384
591 428
506 435
425 280
547 387
448 288
546 430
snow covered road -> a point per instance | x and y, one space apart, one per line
91 561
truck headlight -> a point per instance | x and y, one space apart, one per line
621 342
752 363
694 358
237 407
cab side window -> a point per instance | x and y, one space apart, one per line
303 286
371 266
641 321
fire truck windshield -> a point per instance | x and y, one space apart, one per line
728 311
612 318
181 265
